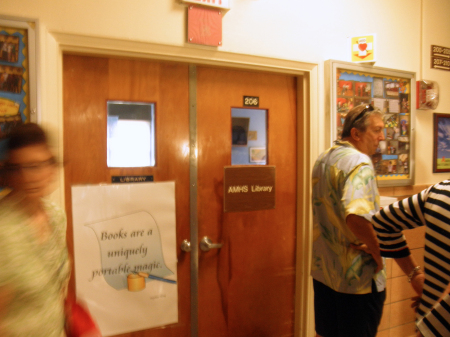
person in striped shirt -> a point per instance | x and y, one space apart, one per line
430 208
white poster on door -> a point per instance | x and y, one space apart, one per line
125 254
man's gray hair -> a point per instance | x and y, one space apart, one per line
358 118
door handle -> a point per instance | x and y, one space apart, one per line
185 246
206 244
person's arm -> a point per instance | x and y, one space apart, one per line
389 224
364 231
436 322
416 276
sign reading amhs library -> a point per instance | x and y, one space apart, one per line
248 188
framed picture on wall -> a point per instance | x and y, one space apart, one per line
257 154
239 131
441 143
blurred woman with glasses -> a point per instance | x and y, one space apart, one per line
34 262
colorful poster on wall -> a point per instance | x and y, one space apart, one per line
363 48
392 95
125 254
14 83
14 74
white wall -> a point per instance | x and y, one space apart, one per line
436 31
302 30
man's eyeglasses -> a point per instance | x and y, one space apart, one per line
31 167
362 113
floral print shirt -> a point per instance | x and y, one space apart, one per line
343 183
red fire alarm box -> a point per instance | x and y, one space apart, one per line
427 95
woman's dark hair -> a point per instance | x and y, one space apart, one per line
25 135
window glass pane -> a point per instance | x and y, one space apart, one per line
249 137
131 136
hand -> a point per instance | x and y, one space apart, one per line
375 255
415 303
417 282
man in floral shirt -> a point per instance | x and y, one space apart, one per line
347 268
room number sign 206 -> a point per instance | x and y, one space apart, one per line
251 101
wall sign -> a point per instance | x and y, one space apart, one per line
251 101
204 26
131 179
440 57
363 48
249 188
125 254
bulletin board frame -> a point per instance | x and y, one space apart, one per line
393 92
441 162
25 31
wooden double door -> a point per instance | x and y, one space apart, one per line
246 288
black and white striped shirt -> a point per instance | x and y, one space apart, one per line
430 208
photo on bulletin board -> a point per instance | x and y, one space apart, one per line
404 103
376 161
441 143
390 120
402 164
403 147
378 87
363 89
391 89
9 51
345 88
344 104
404 126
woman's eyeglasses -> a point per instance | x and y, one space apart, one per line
31 167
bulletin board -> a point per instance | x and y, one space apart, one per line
392 92
18 98
17 73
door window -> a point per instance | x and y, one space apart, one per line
131 134
249 137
